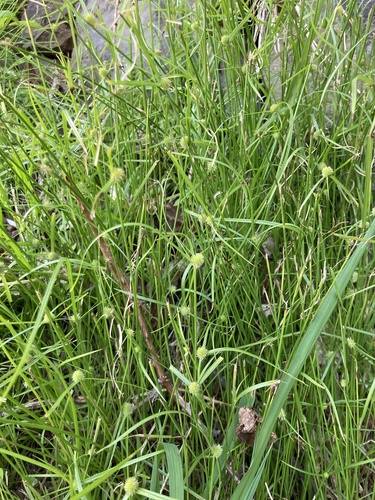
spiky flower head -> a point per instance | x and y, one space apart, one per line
108 312
327 171
202 353
129 332
131 486
127 409
165 83
90 19
354 277
184 141
351 343
103 72
211 167
78 376
282 414
117 175
194 388
197 260
225 39
216 450
185 311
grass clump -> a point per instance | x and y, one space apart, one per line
184 242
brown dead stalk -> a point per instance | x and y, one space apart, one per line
120 277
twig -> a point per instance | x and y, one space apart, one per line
120 277
37 405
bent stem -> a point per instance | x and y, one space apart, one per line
119 276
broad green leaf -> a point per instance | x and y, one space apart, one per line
176 477
245 490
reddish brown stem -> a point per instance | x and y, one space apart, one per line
120 277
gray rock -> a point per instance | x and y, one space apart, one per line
117 33
48 27
116 37
283 66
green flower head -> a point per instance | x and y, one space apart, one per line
197 260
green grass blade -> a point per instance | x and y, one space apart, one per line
176 477
34 331
367 198
98 479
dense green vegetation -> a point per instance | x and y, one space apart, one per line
185 242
